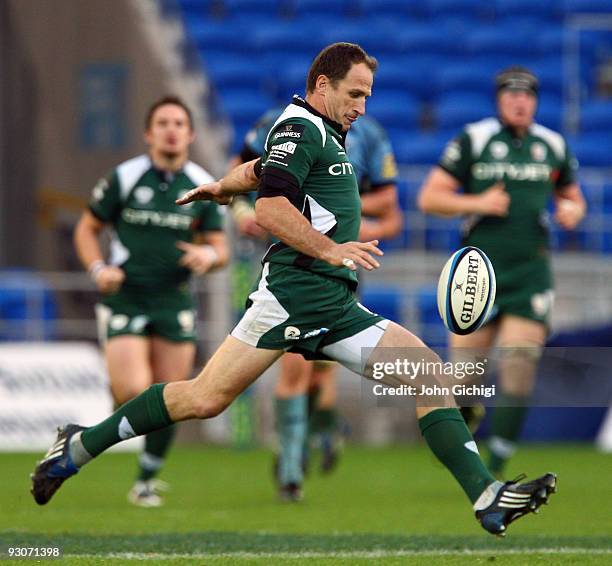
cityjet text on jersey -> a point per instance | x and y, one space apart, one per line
344 168
512 171
163 219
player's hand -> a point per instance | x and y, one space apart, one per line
198 259
495 201
568 213
109 279
208 191
352 254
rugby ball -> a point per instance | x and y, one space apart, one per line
466 290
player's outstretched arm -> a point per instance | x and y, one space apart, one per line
241 179
283 220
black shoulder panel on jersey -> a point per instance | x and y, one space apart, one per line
247 154
278 183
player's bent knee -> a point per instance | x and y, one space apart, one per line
209 408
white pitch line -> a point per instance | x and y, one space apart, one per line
355 554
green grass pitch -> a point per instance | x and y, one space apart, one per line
382 506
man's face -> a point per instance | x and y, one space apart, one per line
516 107
345 101
169 132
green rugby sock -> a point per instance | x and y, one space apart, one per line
450 440
145 413
506 426
156 447
291 424
323 421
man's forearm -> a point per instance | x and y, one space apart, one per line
241 179
279 217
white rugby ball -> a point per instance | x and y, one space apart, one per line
466 290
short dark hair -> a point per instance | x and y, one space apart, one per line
335 61
168 99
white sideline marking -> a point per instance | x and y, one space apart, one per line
347 554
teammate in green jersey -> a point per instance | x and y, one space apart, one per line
304 301
509 167
146 315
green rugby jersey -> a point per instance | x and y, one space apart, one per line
137 199
310 147
530 168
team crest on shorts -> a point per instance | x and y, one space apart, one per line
292 333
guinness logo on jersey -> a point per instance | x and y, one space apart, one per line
538 151
143 194
293 131
498 149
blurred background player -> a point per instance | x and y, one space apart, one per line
146 316
509 167
306 391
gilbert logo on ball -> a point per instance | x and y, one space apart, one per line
466 290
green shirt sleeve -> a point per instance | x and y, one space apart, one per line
293 146
457 158
105 202
211 217
568 169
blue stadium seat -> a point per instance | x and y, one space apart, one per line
545 9
373 39
248 8
587 6
196 7
456 109
442 233
550 41
596 116
550 117
420 149
220 35
301 37
394 108
550 75
245 105
410 73
469 8
396 8
432 331
464 76
493 39
24 299
324 8
420 38
235 72
385 300
593 149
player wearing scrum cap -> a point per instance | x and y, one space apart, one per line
509 167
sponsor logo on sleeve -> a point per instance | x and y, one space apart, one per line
292 131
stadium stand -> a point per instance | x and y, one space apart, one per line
437 58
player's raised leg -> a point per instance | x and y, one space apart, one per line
233 367
496 504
